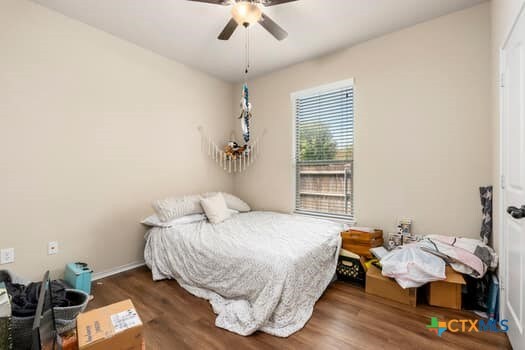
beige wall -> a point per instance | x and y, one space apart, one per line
423 127
92 129
503 15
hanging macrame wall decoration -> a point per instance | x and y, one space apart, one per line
233 157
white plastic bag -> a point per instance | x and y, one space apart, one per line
412 267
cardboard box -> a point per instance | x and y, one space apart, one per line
115 327
447 293
387 288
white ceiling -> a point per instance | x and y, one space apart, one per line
186 31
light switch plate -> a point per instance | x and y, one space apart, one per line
7 256
52 248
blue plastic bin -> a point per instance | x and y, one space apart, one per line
78 276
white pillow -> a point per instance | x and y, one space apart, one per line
215 208
232 201
176 207
154 221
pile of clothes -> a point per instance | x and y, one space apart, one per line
416 264
24 297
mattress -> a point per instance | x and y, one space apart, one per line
259 270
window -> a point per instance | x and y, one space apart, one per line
324 143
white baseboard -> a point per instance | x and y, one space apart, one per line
115 270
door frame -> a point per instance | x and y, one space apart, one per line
501 200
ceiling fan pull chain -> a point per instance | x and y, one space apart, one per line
247 57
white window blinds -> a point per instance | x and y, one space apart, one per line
324 134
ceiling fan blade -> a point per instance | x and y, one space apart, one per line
277 2
274 29
228 30
216 2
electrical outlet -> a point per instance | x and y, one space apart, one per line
7 255
52 248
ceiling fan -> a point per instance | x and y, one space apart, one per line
248 12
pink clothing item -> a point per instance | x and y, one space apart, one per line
448 245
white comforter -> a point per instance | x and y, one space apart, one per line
260 270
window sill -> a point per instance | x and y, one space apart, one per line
350 221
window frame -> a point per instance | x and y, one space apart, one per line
341 84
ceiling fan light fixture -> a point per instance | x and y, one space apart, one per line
245 12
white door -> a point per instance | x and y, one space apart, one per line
513 183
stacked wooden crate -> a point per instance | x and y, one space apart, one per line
360 242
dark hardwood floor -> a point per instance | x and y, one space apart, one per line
344 318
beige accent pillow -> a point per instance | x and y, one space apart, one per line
176 207
215 208
232 201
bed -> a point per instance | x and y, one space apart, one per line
261 271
